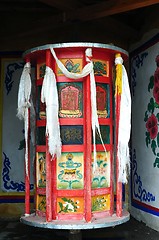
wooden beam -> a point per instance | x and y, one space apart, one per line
107 8
62 4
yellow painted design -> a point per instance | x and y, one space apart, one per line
70 205
72 65
101 175
101 203
70 171
41 203
118 82
41 169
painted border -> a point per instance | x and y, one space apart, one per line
135 203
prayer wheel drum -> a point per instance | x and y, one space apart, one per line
74 190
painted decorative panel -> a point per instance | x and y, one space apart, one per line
41 135
70 205
101 203
70 100
41 107
41 203
145 134
70 174
105 133
72 65
12 136
103 100
41 70
71 135
101 174
101 68
41 169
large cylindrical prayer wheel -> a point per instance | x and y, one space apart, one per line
79 183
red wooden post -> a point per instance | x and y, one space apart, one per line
27 167
118 184
49 203
27 173
88 151
48 185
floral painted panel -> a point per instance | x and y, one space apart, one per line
101 67
101 174
70 205
101 203
152 115
145 134
70 171
41 169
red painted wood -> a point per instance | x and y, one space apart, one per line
88 151
51 190
67 216
27 176
118 184
49 203
111 140
54 189
48 185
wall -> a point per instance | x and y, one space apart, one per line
145 132
12 185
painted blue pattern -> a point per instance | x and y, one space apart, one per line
7 182
136 63
139 192
11 68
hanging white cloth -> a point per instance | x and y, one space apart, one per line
49 96
124 126
88 69
24 104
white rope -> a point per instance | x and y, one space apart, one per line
24 104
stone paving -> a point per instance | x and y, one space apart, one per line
15 230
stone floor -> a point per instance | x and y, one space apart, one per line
15 230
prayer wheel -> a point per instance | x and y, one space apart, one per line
75 136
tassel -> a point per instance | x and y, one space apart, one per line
49 95
124 125
24 104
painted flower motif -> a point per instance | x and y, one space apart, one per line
69 206
156 93
152 127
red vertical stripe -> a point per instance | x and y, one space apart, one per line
27 176
48 165
88 150
118 184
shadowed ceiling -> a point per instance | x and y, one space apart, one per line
28 23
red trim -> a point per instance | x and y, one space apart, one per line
66 216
